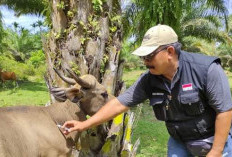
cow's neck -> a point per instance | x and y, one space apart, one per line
61 112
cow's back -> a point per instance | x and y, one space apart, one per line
13 137
29 131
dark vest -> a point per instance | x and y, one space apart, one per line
185 107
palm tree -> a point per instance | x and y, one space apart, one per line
142 14
225 49
34 25
16 25
21 44
199 28
39 23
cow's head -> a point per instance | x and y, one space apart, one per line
90 93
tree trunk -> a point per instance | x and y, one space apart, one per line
86 37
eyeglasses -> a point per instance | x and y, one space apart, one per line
150 56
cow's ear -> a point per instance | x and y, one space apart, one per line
72 94
58 93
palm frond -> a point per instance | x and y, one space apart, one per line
200 45
25 6
202 28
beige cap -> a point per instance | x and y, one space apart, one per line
155 37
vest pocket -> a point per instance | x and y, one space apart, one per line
199 147
192 104
158 104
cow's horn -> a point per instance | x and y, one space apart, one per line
80 81
65 79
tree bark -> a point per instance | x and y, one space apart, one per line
86 37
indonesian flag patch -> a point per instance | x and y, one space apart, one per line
187 87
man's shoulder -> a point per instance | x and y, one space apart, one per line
144 75
198 58
145 78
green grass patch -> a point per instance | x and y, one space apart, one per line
129 77
229 74
28 93
152 133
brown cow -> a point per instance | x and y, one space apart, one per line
28 131
7 75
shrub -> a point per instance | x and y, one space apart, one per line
37 58
23 71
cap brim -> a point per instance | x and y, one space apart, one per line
144 50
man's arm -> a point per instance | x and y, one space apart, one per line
106 113
218 92
131 97
222 129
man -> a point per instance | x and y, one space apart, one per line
189 91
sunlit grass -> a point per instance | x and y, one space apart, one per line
28 93
129 77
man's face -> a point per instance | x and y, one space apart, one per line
160 61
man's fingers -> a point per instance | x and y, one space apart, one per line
65 132
68 124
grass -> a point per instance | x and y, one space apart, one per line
129 77
28 93
229 74
152 133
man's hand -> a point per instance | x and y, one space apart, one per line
103 115
223 120
73 125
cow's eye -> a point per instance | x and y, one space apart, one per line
104 95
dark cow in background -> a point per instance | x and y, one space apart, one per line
31 131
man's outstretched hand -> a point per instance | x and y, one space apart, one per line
73 125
